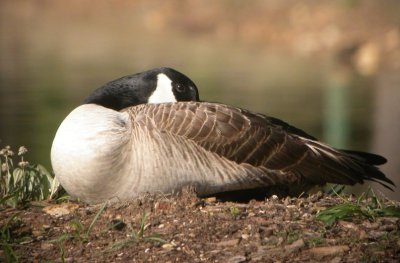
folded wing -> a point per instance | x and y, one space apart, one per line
263 144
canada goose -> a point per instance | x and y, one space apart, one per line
149 132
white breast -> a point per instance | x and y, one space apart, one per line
86 150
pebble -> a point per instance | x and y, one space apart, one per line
237 259
348 225
251 214
47 246
296 245
65 260
362 235
370 225
388 227
26 241
376 234
320 252
59 210
306 216
118 224
228 243
336 260
167 246
388 220
210 200
46 227
36 233
266 231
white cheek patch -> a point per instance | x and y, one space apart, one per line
163 91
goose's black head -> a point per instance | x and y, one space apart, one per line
153 86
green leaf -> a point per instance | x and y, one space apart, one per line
389 211
342 211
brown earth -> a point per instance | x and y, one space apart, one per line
185 228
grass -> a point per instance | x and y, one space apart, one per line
79 233
6 239
368 206
315 241
234 211
292 236
61 246
22 182
138 236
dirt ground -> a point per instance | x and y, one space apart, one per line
185 228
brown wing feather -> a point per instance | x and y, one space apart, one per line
260 143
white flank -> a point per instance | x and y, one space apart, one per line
163 92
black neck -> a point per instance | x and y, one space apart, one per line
121 93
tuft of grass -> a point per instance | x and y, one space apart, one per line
368 205
96 217
61 246
314 241
335 189
292 235
6 240
342 211
234 211
138 235
79 232
21 182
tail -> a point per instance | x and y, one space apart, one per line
369 158
349 167
370 161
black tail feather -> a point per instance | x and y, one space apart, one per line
372 172
348 166
369 158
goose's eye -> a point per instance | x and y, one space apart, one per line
180 88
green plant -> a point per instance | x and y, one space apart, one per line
234 211
6 240
368 205
292 235
23 182
138 235
61 244
335 189
315 241
95 218
79 232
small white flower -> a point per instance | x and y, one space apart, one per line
22 150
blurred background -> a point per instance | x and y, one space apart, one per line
331 67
